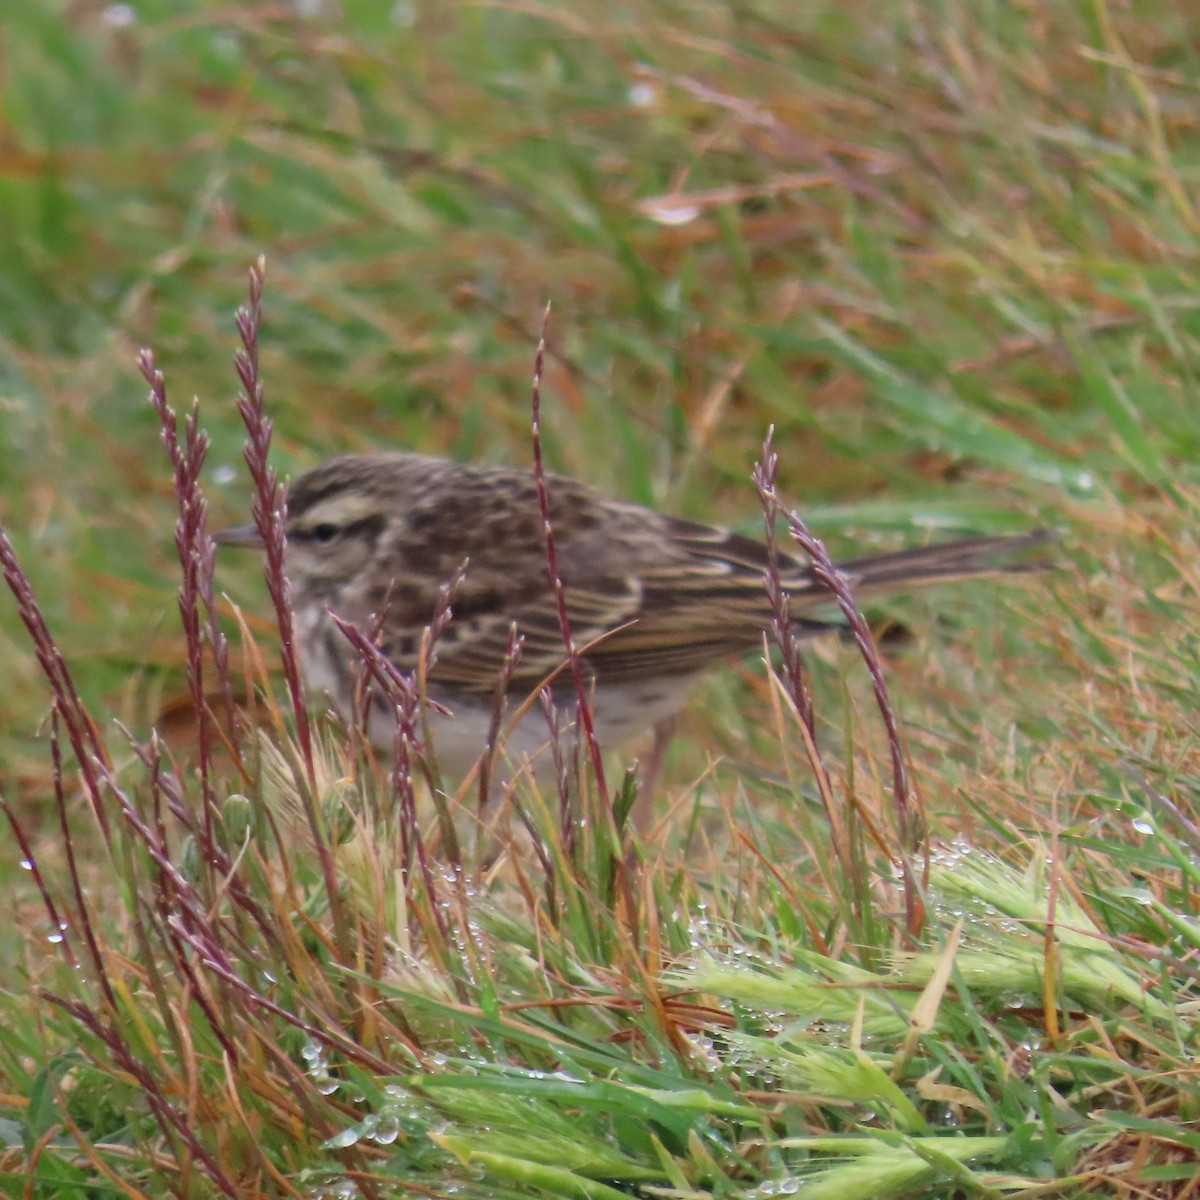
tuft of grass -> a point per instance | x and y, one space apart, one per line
282 990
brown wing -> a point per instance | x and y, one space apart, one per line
645 595
708 599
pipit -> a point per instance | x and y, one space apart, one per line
652 600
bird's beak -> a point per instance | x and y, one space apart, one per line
239 535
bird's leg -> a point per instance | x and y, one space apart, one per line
642 811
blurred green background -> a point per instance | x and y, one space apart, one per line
949 249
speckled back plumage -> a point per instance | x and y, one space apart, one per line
672 596
648 594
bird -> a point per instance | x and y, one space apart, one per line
653 601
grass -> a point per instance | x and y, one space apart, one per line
950 253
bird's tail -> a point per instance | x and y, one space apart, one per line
1002 554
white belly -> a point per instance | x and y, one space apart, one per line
620 711
620 714
459 737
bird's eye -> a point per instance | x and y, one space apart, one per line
325 532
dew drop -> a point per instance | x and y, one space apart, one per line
672 214
119 16
643 95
